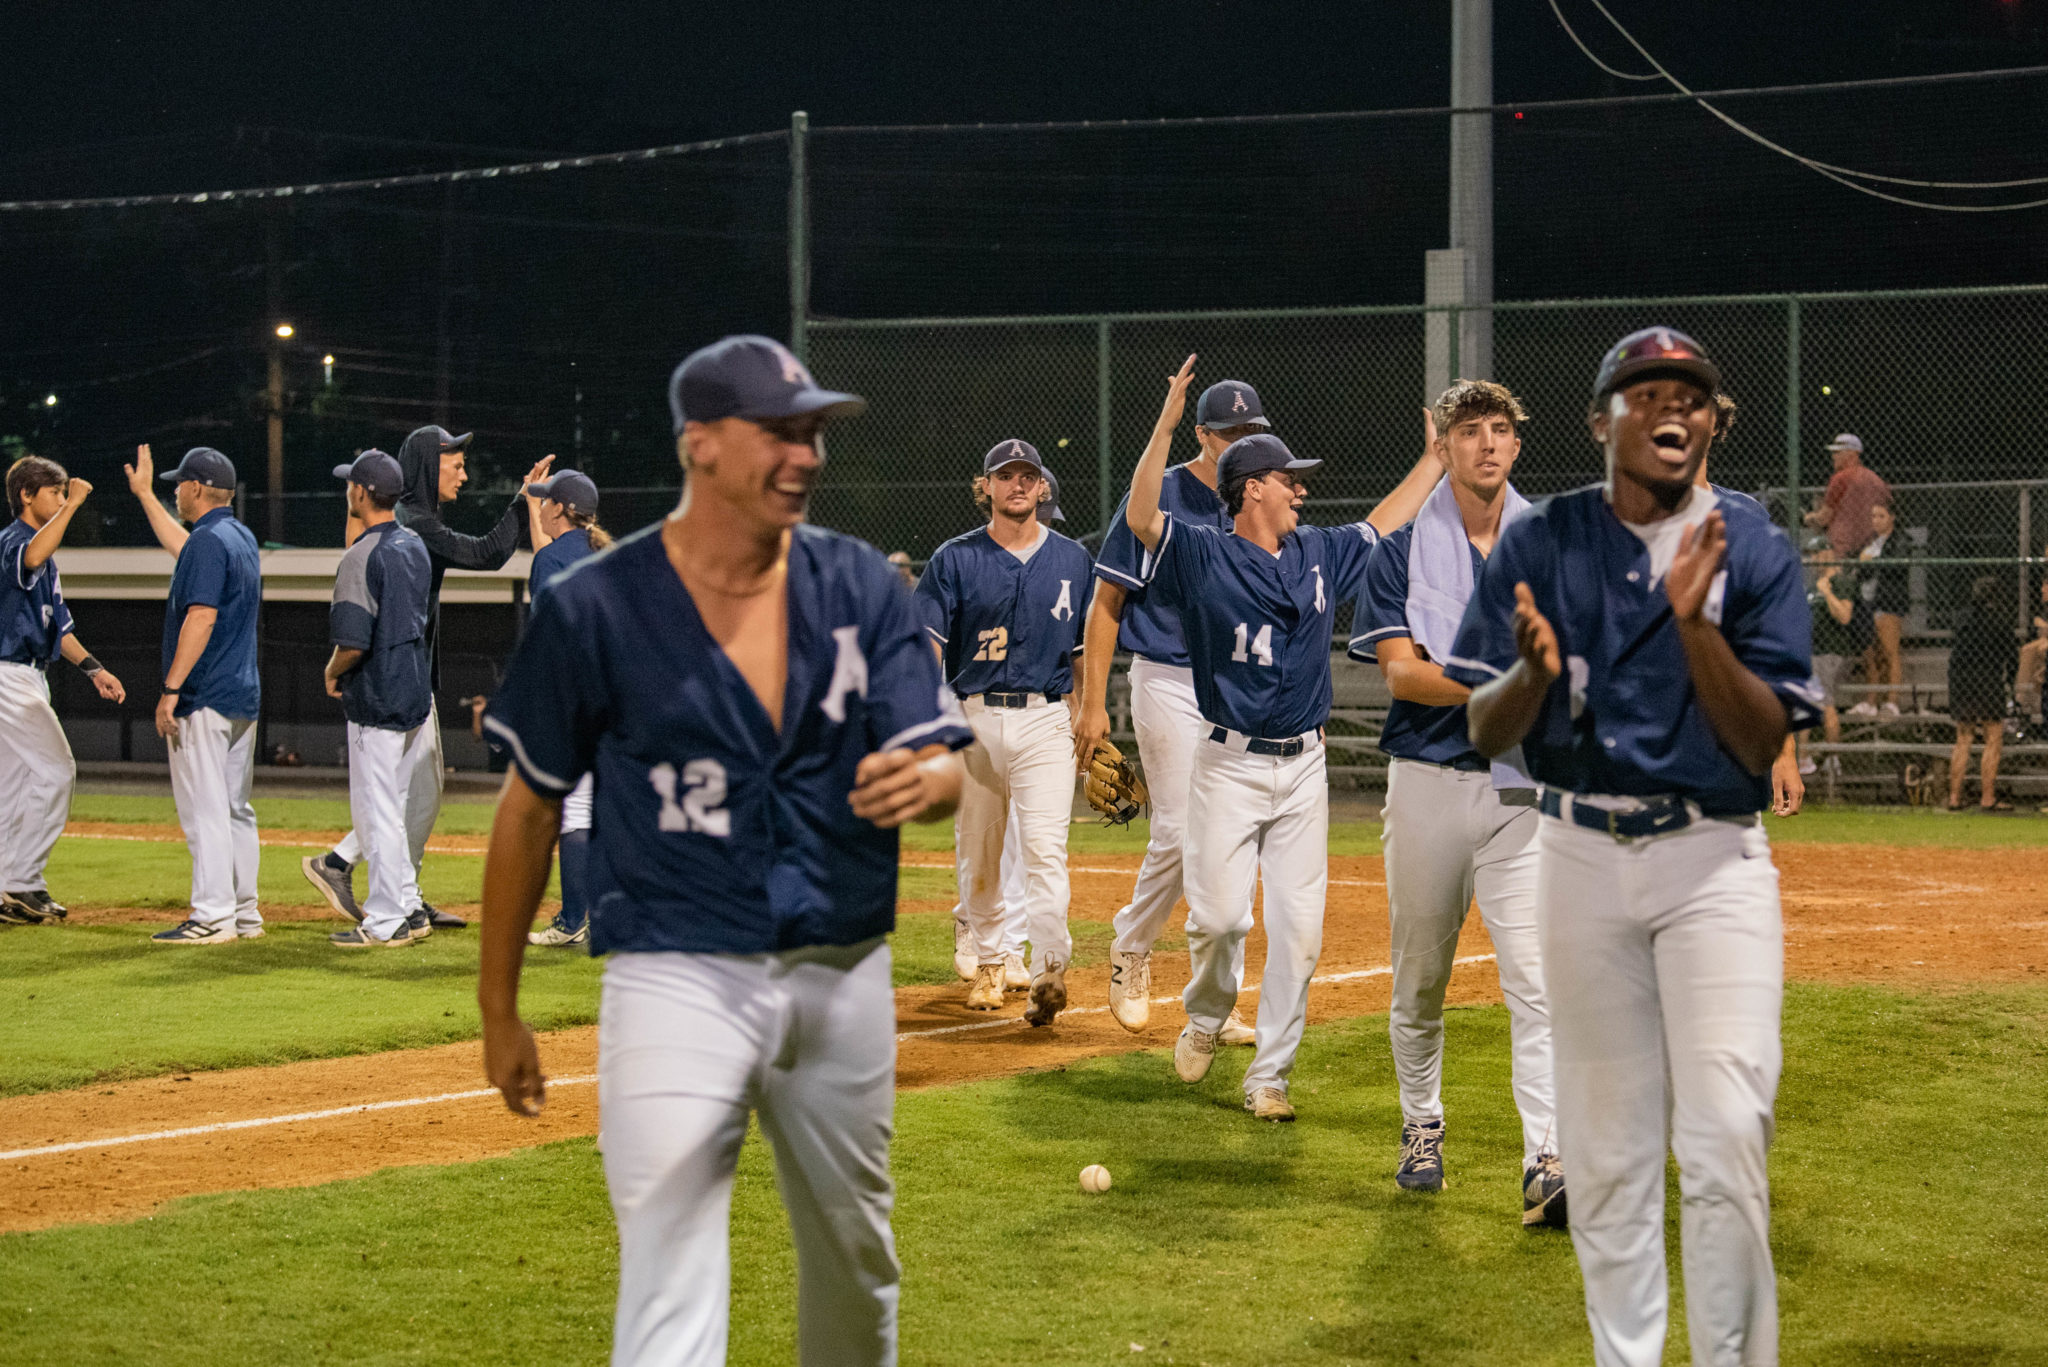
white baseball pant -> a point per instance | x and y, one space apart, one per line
425 777
576 807
212 766
688 1046
1024 765
1252 817
380 764
1665 960
1448 835
1011 908
36 776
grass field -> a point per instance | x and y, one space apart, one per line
1906 1182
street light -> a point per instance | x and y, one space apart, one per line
327 368
284 329
49 400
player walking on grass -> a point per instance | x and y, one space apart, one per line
212 691
1258 605
1455 823
1646 643
562 515
379 668
761 709
435 465
36 769
1002 605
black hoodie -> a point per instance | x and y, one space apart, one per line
419 510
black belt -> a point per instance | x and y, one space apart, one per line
1471 764
1016 699
1657 816
1253 745
43 665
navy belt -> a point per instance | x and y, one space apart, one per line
1657 816
1016 699
1471 764
1253 745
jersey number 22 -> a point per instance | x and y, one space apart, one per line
702 805
995 644
1261 645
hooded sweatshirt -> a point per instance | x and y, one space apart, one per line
419 510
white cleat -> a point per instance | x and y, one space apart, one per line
1016 977
985 993
1193 1052
1269 1103
1236 1032
964 960
1130 988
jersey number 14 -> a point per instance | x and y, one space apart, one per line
1261 645
701 806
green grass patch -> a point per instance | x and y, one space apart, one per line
1223 1241
157 875
1909 826
458 816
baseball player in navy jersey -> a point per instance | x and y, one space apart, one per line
761 709
1003 606
1455 823
36 770
1257 605
1646 643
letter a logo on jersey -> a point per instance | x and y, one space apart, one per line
849 673
1063 611
1319 587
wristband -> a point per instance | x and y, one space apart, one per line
170 692
89 666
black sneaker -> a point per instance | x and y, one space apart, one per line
40 901
442 920
16 910
1543 1194
1422 1157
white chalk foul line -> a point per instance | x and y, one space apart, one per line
1352 976
296 1118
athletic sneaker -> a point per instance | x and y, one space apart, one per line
1866 708
1048 994
190 932
1422 1157
420 924
1016 977
22 909
254 932
964 960
40 901
1543 1194
1193 1052
1130 988
334 885
1269 1103
1235 1031
443 920
359 938
554 937
985 993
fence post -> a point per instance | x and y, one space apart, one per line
2026 619
1797 510
799 233
1104 504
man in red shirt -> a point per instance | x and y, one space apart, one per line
1855 489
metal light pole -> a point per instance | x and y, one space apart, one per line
1463 274
273 423
799 235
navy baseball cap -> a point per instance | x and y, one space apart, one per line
444 440
204 464
1009 453
1229 403
572 489
376 471
1654 351
1256 454
1049 507
750 376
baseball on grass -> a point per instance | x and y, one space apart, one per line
1095 1179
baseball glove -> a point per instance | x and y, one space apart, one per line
1113 786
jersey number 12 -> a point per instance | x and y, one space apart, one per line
1261 645
702 806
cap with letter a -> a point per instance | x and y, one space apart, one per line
1654 351
750 376
1229 403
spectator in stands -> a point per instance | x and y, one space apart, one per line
1890 599
2033 661
1841 630
1980 666
1854 489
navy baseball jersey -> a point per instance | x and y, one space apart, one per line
218 569
715 832
380 608
1435 735
551 559
1150 627
33 618
1007 625
1259 626
1624 718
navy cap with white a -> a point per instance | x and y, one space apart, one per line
1230 403
1654 351
572 489
376 471
1255 455
749 376
1011 452
205 465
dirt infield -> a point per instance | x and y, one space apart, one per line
1853 913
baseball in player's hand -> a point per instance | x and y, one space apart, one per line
140 473
109 687
1090 726
166 722
1177 393
891 787
1535 639
512 1064
1700 553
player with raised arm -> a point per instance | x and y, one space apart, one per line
36 768
1002 606
1455 824
1645 642
1258 605
761 710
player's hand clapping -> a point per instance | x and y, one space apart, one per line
1700 553
1535 639
75 491
141 473
1177 393
538 473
